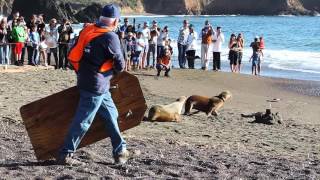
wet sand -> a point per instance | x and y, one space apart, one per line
227 146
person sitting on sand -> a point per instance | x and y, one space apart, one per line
164 60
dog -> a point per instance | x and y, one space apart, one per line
167 113
208 105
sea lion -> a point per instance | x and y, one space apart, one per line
205 104
167 113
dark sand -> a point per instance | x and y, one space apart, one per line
224 147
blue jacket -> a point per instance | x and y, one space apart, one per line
100 49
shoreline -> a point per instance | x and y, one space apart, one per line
301 86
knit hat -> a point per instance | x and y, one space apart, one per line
111 11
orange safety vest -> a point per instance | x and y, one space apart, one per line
85 37
207 38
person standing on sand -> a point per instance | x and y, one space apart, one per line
146 36
52 41
218 40
206 35
182 44
4 47
160 41
35 42
191 49
65 30
19 38
94 75
233 45
255 58
240 41
154 33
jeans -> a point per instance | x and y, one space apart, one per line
182 55
53 51
153 51
63 56
89 105
4 54
159 50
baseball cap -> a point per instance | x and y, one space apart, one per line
146 23
111 11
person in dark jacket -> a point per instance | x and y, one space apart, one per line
65 30
103 50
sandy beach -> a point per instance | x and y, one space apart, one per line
224 147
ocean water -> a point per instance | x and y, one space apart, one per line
292 42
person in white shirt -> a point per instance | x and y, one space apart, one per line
146 36
139 47
182 44
51 39
164 34
154 33
218 40
191 48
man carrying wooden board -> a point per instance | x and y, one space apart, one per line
96 56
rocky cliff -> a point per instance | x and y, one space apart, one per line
313 5
254 7
83 11
5 6
50 8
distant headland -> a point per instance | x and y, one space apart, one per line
85 10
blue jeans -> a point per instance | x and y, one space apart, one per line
35 57
89 105
4 55
182 55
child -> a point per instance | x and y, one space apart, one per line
164 60
130 50
139 47
35 42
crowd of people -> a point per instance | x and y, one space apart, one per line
144 42
34 40
143 45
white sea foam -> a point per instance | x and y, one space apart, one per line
293 60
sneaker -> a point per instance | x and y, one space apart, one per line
124 156
67 159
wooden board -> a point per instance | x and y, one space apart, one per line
47 120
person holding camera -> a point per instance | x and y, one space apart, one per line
65 30
52 41
206 35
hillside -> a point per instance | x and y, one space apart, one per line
86 10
